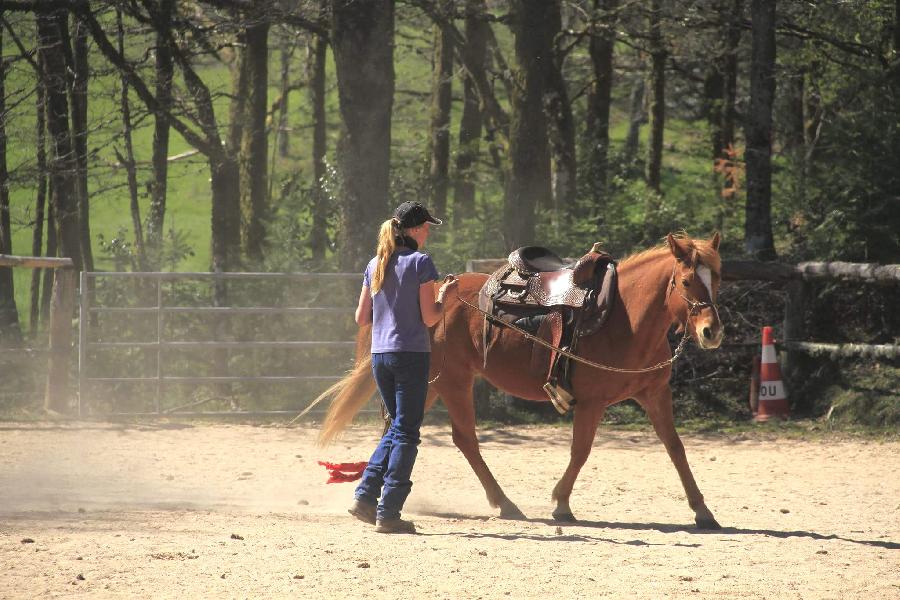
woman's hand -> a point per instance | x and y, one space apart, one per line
450 281
431 304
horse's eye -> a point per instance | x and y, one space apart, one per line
686 282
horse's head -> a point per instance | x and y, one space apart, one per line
695 287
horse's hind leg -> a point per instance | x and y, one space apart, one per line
584 428
458 400
658 406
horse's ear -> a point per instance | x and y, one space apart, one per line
681 248
714 242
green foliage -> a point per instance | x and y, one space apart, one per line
864 395
176 249
834 198
119 250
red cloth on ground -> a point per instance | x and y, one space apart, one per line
344 472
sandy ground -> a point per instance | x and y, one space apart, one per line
175 511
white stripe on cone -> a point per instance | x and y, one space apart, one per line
771 390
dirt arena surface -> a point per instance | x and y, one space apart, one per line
237 511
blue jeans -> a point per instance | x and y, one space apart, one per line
402 379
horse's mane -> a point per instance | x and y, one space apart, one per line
708 256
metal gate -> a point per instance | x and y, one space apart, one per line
173 343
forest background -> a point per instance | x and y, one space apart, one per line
260 135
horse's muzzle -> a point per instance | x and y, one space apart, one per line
709 334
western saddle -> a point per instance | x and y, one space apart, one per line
557 301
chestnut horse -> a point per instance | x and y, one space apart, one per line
675 283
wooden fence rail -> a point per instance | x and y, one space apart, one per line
742 270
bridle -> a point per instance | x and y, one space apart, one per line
694 306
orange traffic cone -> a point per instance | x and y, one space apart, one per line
772 401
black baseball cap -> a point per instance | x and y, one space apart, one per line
411 214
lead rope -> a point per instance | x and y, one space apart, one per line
575 357
443 352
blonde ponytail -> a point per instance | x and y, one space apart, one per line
386 246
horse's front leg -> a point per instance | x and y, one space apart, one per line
584 428
457 398
658 406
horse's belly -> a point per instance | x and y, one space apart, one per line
510 368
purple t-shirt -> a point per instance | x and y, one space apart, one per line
397 324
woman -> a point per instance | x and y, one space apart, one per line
398 298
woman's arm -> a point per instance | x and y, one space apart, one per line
364 307
432 308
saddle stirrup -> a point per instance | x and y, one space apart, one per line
562 400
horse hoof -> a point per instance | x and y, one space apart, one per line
707 523
510 511
564 516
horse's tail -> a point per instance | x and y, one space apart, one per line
348 396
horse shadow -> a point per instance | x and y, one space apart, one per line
660 527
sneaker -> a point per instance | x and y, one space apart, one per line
363 511
395 526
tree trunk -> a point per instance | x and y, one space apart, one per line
529 178
720 89
791 107
79 87
636 118
758 240
897 33
441 97
286 52
315 66
362 42
713 95
129 161
226 201
254 142
601 48
37 236
658 56
165 70
475 54
62 158
560 129
239 83
729 74
9 314
52 250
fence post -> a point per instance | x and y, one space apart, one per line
159 338
61 310
84 317
795 326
